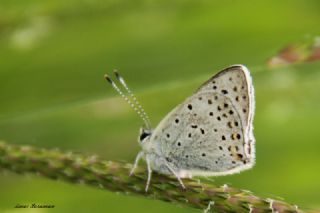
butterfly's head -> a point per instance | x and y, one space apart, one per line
144 135
146 131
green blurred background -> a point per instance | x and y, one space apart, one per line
53 55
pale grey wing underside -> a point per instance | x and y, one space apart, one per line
211 132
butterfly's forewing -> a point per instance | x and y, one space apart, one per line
210 133
236 84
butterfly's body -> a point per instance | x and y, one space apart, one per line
209 134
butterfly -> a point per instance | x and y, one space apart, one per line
209 134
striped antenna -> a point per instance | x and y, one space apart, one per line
133 106
137 103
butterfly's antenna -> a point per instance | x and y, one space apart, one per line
128 101
122 81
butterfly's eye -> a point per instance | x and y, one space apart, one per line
143 135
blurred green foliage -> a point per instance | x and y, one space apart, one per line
53 56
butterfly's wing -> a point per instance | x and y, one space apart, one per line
210 133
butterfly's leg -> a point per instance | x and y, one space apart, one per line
211 203
136 161
149 173
175 174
